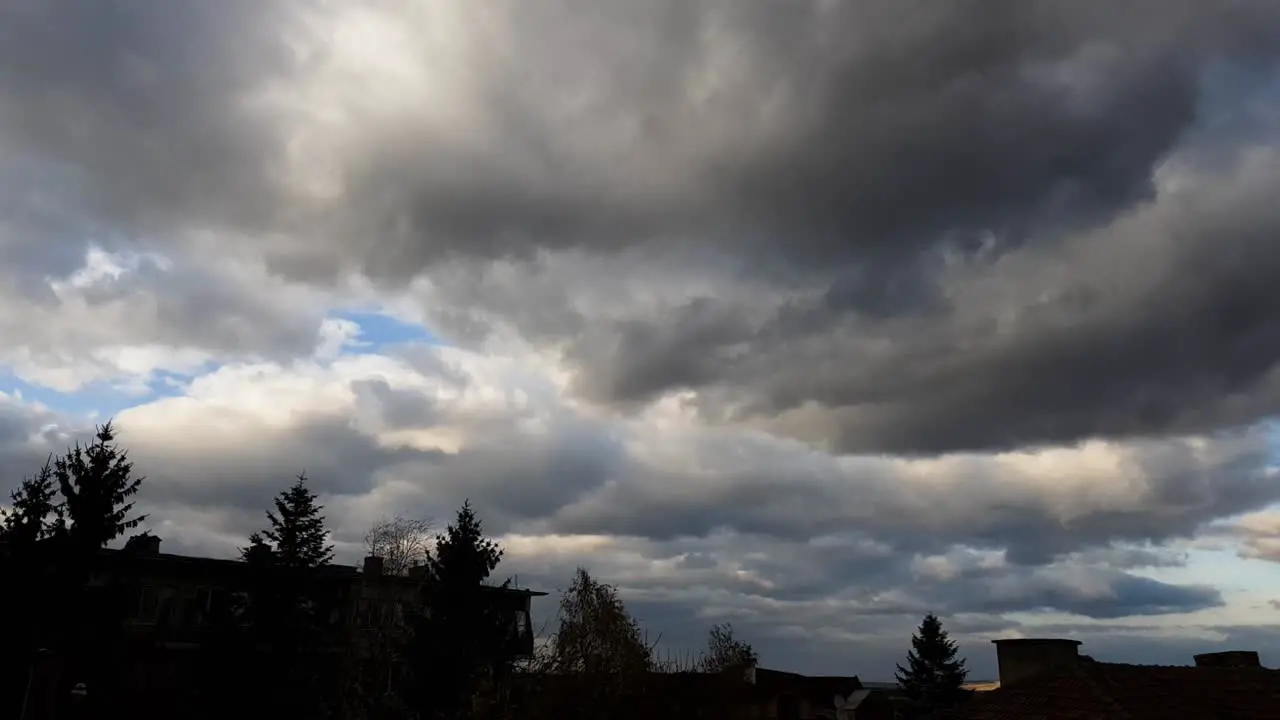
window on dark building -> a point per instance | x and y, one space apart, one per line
788 707
148 604
195 606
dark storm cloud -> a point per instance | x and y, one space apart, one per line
879 580
845 144
880 227
127 112
883 142
1163 322
832 149
787 494
1124 596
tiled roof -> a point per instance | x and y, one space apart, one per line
1110 691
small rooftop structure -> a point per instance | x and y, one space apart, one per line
1048 679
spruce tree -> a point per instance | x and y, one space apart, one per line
463 556
26 598
933 676
84 621
297 533
258 553
96 482
30 517
287 606
460 643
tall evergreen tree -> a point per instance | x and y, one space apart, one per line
26 598
463 556
286 606
83 621
933 676
460 643
297 534
96 482
31 513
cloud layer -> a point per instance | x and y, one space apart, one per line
813 316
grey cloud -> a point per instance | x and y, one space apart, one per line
783 593
1038 114
862 622
513 476
336 459
395 409
1160 323
1124 596
874 226
1257 534
1132 558
824 148
769 489
157 315
828 157
519 478
27 436
134 107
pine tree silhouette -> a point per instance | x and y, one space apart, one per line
31 508
297 534
96 482
286 609
461 642
463 556
933 676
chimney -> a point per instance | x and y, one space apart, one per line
373 566
1024 658
143 543
1229 659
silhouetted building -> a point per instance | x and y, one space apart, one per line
749 694
1048 678
170 607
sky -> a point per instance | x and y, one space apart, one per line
811 316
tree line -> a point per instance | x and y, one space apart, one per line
278 648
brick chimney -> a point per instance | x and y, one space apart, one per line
1229 659
373 566
1022 659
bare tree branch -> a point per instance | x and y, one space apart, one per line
402 543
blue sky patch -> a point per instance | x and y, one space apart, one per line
378 330
100 400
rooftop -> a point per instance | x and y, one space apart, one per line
1091 690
